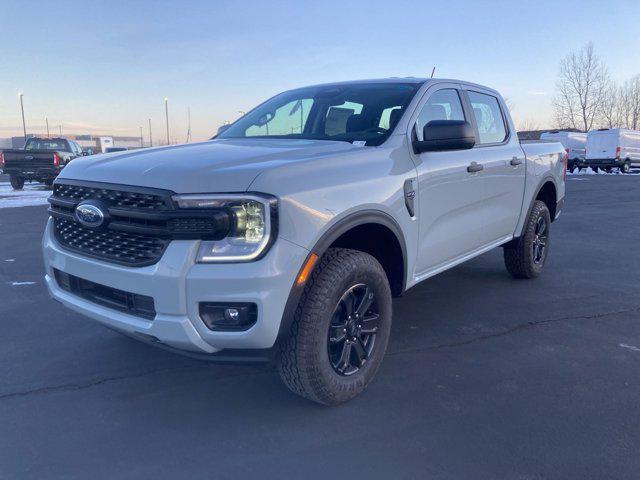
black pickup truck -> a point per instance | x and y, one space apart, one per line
41 160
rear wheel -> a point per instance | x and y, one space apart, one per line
340 331
17 183
595 169
526 256
626 167
574 167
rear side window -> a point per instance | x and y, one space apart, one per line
442 105
488 115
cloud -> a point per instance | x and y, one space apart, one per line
536 93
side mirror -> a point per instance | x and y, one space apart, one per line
222 128
440 135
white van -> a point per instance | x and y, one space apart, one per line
613 147
574 143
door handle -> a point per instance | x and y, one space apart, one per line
515 161
475 167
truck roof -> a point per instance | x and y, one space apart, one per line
401 80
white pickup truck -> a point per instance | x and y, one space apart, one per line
287 235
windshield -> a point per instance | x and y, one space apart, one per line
46 144
365 112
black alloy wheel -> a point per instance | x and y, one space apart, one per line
353 330
539 244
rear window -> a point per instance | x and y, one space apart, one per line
488 114
47 144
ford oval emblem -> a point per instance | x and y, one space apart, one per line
89 215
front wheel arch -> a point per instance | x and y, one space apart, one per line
332 238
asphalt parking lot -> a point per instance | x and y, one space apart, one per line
485 377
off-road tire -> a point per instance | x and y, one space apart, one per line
302 357
518 255
17 183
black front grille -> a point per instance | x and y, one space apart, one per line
114 197
131 303
139 224
119 247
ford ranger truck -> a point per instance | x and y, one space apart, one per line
287 235
41 159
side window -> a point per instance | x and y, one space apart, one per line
442 105
486 110
288 119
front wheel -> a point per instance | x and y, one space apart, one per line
340 331
525 257
17 183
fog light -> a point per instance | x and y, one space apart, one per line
228 316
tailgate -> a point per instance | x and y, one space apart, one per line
28 161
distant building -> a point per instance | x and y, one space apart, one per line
93 142
85 141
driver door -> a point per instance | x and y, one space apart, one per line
450 197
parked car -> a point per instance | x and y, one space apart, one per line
613 147
287 235
41 159
115 149
574 144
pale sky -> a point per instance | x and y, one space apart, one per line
105 67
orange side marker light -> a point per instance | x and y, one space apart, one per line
306 270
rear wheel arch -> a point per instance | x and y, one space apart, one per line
547 193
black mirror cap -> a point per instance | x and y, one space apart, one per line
440 135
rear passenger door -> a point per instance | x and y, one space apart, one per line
450 208
498 150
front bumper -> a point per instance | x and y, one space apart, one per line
178 284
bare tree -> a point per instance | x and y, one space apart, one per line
527 125
629 103
581 85
611 107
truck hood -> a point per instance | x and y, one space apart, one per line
226 165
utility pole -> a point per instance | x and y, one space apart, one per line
141 144
150 136
60 128
46 119
24 126
166 114
188 124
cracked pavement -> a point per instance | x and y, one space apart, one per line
485 377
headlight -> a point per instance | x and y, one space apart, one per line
252 225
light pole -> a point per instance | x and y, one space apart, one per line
166 114
24 126
60 129
46 119
150 136
141 145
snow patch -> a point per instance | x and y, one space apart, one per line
630 347
33 194
17 284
